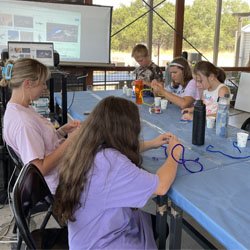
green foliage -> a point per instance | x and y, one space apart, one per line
199 24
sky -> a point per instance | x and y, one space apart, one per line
117 3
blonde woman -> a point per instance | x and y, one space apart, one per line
31 135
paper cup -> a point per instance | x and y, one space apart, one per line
124 89
210 121
242 139
129 91
157 101
164 103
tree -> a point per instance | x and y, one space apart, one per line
199 24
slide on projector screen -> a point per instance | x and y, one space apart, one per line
80 33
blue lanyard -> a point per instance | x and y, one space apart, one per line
182 161
209 148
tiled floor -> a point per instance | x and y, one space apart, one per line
236 119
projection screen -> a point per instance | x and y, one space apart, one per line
80 33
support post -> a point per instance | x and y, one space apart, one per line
179 22
217 32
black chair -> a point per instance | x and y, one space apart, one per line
17 162
246 125
31 189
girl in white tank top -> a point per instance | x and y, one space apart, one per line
209 78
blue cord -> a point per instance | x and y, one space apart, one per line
209 149
182 160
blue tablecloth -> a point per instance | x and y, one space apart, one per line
217 197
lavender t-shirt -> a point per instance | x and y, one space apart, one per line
105 220
31 136
190 90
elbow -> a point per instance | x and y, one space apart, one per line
162 189
185 105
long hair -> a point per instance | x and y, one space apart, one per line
207 68
187 72
25 68
114 123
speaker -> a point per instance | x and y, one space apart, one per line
56 58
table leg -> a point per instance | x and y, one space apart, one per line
175 227
161 220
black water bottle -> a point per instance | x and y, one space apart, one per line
199 123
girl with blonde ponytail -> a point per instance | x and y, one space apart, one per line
32 136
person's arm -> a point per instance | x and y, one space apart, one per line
182 102
167 171
155 143
223 91
69 127
49 162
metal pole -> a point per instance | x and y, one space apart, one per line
217 32
150 28
238 37
64 100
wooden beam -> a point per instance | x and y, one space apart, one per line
88 1
179 23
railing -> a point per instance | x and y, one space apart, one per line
106 78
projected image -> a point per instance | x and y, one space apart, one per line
23 21
13 35
5 20
62 32
26 36
18 50
44 54
26 50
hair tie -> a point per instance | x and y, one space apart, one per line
7 71
176 64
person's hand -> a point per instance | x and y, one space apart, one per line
161 139
187 117
157 86
173 140
187 110
187 114
71 126
133 83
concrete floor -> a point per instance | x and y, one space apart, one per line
236 119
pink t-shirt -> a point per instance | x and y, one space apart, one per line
105 220
31 136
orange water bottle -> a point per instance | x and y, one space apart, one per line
138 91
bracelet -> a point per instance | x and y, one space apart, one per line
61 132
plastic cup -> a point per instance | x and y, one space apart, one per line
210 121
124 89
157 101
129 92
164 103
242 139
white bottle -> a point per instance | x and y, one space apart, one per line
124 88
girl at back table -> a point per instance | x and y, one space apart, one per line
182 91
32 136
101 183
210 79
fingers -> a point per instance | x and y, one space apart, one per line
186 110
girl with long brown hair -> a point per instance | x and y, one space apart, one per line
101 180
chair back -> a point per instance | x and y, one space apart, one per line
246 125
15 159
29 190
